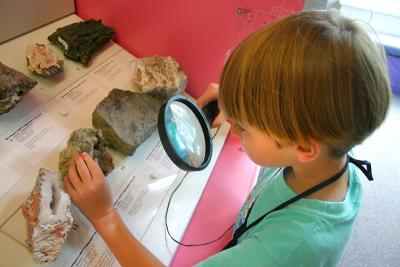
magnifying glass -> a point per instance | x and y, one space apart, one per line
185 134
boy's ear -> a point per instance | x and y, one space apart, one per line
307 152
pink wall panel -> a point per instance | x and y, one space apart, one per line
197 33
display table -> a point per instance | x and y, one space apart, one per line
36 130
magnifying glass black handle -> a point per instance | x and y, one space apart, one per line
211 111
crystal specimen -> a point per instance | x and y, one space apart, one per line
43 61
13 86
126 118
159 76
80 40
48 216
90 141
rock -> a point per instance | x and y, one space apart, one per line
13 86
79 41
47 211
43 61
159 76
126 118
90 141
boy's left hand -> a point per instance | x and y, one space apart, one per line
208 96
88 188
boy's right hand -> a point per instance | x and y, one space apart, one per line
88 188
209 95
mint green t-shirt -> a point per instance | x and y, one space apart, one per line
308 232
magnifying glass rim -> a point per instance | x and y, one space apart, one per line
169 149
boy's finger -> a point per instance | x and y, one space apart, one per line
93 166
213 87
218 120
204 100
70 188
82 169
74 177
209 95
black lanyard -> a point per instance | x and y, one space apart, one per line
243 228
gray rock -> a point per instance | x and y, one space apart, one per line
13 86
126 118
159 76
90 141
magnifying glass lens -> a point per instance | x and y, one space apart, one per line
185 133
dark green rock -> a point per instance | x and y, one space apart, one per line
80 40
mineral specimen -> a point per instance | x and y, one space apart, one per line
159 76
43 61
48 217
90 141
13 86
80 40
126 118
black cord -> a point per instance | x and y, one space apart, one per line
166 215
212 138
180 243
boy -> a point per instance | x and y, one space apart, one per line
301 93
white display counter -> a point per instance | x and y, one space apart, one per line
33 134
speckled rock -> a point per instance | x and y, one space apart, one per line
13 86
159 76
86 140
126 118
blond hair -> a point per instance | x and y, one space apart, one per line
310 75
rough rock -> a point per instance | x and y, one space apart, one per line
47 211
81 40
43 61
87 140
126 118
13 86
159 76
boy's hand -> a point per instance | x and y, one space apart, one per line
88 188
90 192
209 95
